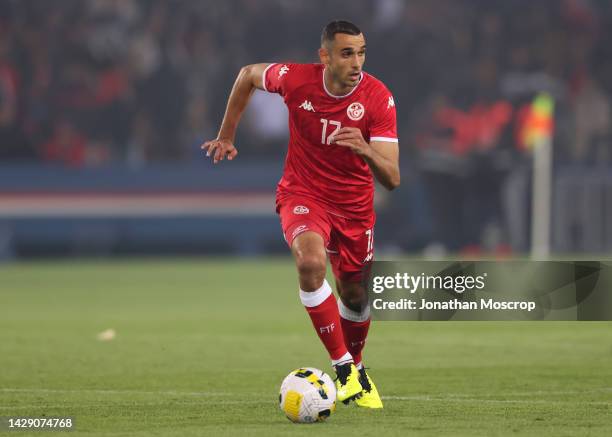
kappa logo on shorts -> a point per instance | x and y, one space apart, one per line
355 111
300 209
299 230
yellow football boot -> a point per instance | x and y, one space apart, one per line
369 396
347 383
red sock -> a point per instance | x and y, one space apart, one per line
323 312
355 328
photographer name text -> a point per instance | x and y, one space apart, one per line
453 304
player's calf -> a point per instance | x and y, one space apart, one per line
354 318
317 297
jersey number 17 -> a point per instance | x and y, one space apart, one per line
327 139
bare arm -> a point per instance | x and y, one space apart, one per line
381 156
384 163
249 78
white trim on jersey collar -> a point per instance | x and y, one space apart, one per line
345 95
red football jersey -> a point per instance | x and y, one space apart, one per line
315 168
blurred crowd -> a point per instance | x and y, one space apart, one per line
90 82
85 82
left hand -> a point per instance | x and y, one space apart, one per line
352 138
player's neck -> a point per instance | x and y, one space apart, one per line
335 88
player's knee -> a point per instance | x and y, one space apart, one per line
310 259
354 297
311 265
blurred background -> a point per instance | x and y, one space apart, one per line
104 103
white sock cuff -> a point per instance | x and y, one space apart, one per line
317 297
346 358
353 316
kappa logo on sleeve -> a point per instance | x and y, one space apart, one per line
300 209
390 102
283 70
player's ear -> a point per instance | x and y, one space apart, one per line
324 55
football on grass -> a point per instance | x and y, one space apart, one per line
307 395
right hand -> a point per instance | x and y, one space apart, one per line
219 149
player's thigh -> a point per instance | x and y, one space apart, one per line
306 229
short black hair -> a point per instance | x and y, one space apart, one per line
338 26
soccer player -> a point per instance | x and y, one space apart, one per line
342 134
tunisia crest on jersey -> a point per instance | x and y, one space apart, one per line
355 111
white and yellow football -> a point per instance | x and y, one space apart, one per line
307 395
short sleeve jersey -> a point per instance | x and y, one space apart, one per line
314 167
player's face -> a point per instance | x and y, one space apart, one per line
345 59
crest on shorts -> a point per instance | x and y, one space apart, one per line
355 111
300 209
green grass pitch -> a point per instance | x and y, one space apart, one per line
203 344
